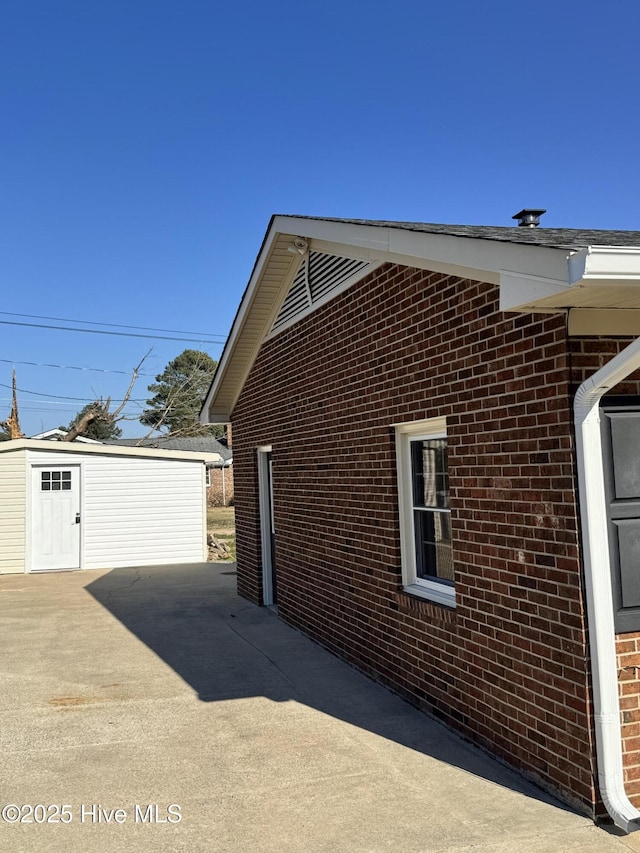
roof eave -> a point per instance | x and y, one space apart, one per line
275 267
597 277
288 266
532 278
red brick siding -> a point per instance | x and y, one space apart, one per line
220 492
507 665
628 649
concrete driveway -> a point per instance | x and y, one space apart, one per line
134 697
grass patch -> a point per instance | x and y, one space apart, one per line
221 523
222 518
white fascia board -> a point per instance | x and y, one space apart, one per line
604 263
54 447
518 290
469 257
243 311
485 260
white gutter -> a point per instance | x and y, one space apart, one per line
608 264
600 609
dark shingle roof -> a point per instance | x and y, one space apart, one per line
198 443
558 238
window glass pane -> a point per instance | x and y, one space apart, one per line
46 486
66 475
444 552
55 475
55 486
46 475
434 556
429 473
66 486
425 544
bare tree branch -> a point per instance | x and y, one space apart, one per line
134 376
100 409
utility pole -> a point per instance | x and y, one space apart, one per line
12 423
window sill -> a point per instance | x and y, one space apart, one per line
446 596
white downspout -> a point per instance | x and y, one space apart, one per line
595 534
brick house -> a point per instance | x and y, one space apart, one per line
437 476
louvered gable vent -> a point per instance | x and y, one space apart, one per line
319 275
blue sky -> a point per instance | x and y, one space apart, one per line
145 144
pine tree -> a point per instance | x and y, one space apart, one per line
178 394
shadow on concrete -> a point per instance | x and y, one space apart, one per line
225 648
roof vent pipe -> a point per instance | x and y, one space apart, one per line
528 217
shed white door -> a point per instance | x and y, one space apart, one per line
55 528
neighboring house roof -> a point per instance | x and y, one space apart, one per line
57 434
581 272
194 444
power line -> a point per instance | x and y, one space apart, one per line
27 407
63 397
111 325
71 367
60 408
72 407
106 332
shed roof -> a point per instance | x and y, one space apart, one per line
106 450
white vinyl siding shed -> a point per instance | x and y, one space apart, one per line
13 486
124 506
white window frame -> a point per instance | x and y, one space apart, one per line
267 527
433 590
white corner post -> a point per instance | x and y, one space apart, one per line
600 612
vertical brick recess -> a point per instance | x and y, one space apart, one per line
507 666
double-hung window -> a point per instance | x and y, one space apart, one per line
425 513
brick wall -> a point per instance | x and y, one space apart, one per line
506 667
220 492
